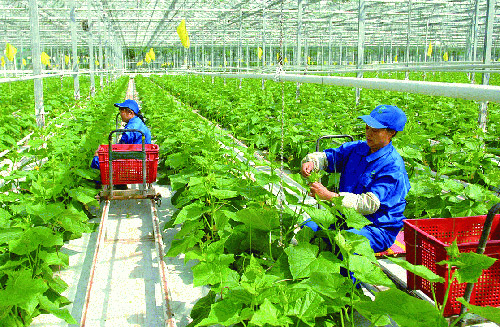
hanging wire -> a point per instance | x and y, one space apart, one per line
279 71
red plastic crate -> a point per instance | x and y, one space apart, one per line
426 241
128 171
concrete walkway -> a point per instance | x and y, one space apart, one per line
126 289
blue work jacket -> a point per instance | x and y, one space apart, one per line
382 173
135 137
130 137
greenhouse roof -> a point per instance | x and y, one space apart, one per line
153 23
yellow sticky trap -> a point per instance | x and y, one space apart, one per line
260 52
139 63
445 56
2 61
45 59
183 34
66 59
24 62
152 54
286 60
148 58
10 51
396 58
429 50
308 60
97 63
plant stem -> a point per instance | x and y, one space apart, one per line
450 281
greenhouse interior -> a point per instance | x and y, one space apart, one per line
250 163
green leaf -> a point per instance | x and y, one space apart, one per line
354 219
54 258
225 312
488 312
409 152
328 283
452 250
301 259
214 272
46 211
177 160
368 272
268 314
418 270
223 194
34 237
54 309
4 219
474 192
22 290
305 304
265 219
192 211
85 173
404 309
470 266
190 235
201 308
86 196
10 234
322 217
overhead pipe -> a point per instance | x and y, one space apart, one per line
452 90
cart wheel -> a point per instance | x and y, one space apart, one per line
157 199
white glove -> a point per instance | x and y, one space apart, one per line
365 203
318 159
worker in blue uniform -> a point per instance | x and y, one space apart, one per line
373 177
131 115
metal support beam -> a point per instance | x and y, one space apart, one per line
488 37
408 33
74 52
361 44
91 49
37 65
298 55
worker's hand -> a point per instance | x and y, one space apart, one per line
321 191
307 168
96 154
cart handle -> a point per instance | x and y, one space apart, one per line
480 250
332 137
112 155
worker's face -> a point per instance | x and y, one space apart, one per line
126 114
377 138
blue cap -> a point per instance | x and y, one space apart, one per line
386 116
130 104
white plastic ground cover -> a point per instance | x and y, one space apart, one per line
126 290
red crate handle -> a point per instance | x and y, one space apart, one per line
110 151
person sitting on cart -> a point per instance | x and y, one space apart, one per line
131 115
373 177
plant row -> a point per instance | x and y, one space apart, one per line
441 138
17 118
240 234
46 205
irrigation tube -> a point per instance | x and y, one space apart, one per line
454 90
